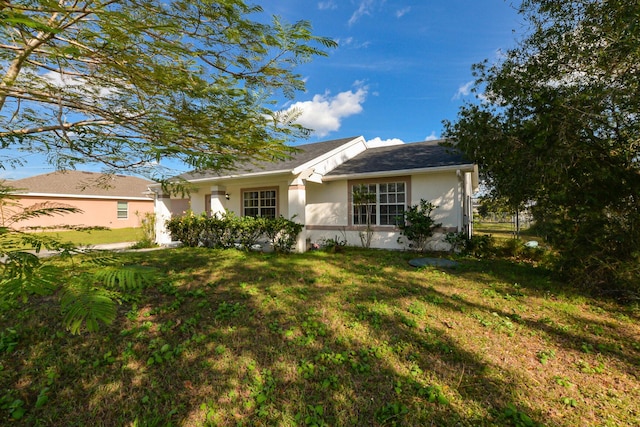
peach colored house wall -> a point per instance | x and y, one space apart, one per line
97 211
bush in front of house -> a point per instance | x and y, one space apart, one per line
417 226
227 230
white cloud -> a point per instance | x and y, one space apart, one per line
379 142
79 84
351 43
401 12
464 90
364 8
61 80
324 113
432 137
327 5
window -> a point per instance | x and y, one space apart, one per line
383 203
123 210
259 203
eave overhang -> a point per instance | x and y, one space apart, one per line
400 172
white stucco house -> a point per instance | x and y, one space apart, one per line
316 185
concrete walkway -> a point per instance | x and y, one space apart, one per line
114 247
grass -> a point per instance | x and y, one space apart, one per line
502 230
355 338
97 237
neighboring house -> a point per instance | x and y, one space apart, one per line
112 201
316 186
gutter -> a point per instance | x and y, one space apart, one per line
462 168
81 196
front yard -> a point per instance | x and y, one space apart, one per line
355 338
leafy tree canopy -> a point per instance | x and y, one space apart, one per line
558 125
127 83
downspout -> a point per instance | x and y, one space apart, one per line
459 201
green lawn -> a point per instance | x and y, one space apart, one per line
359 338
97 237
502 230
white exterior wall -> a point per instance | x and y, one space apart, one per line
327 204
443 190
326 215
327 212
234 190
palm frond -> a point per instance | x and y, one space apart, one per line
98 258
23 275
39 241
83 304
126 277
43 209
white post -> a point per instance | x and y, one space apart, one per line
218 194
162 208
297 206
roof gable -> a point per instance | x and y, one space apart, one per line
82 183
305 153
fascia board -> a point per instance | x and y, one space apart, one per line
329 154
239 176
80 196
462 168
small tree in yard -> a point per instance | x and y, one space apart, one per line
417 226
129 84
362 201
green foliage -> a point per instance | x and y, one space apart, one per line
148 225
417 226
125 277
87 293
544 355
86 305
135 82
188 228
517 418
391 414
363 200
283 233
8 340
227 230
278 340
558 127
335 244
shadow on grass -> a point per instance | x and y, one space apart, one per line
228 338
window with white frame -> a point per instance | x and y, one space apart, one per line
384 202
123 210
260 203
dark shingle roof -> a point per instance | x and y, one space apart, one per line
416 155
85 183
305 153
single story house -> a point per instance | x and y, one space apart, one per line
316 186
112 201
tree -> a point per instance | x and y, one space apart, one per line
127 83
417 226
558 125
364 205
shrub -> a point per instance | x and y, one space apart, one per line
227 230
417 225
282 233
186 228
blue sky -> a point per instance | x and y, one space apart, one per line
401 68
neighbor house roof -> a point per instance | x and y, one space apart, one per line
303 154
84 184
401 157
